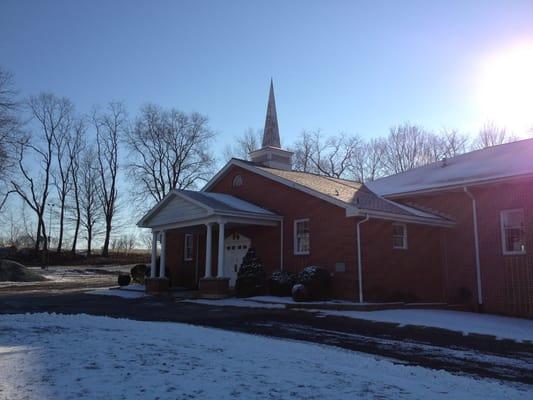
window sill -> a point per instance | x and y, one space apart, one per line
302 254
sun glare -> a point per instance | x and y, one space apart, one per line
506 88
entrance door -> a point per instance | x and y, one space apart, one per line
236 247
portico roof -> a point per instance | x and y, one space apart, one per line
187 207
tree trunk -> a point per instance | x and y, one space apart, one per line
76 232
38 236
78 219
89 241
61 227
105 248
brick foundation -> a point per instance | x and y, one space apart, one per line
157 285
215 287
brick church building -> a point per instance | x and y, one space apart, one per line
459 231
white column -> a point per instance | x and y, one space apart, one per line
208 251
154 254
220 265
162 258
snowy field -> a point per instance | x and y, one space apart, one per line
518 329
45 356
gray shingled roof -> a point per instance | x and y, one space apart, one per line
350 192
497 162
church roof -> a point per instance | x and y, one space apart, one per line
271 131
180 206
503 161
355 197
350 192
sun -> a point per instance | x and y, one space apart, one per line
505 93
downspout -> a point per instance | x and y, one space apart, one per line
281 246
359 258
476 245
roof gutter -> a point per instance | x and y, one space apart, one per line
459 185
400 218
476 245
359 258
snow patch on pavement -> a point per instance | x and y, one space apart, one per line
232 302
466 322
126 294
45 356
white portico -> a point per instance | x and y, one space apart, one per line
201 212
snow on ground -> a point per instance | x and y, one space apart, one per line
134 287
289 300
465 322
232 302
45 356
126 294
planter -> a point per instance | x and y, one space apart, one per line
157 285
214 287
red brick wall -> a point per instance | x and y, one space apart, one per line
415 273
507 281
332 234
182 273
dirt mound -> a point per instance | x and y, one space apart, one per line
14 272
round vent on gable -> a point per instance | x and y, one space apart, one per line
237 181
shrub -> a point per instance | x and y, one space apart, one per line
281 283
139 273
124 280
316 280
251 277
300 293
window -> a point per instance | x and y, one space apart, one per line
301 236
187 248
513 231
399 236
237 181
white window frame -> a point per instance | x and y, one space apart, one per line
502 232
404 236
187 236
297 252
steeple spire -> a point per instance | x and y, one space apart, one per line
271 132
271 154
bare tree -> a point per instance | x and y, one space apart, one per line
10 131
244 145
169 149
452 143
367 161
75 148
409 146
110 126
62 171
89 197
50 113
124 243
491 135
331 156
303 151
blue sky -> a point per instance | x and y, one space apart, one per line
342 66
